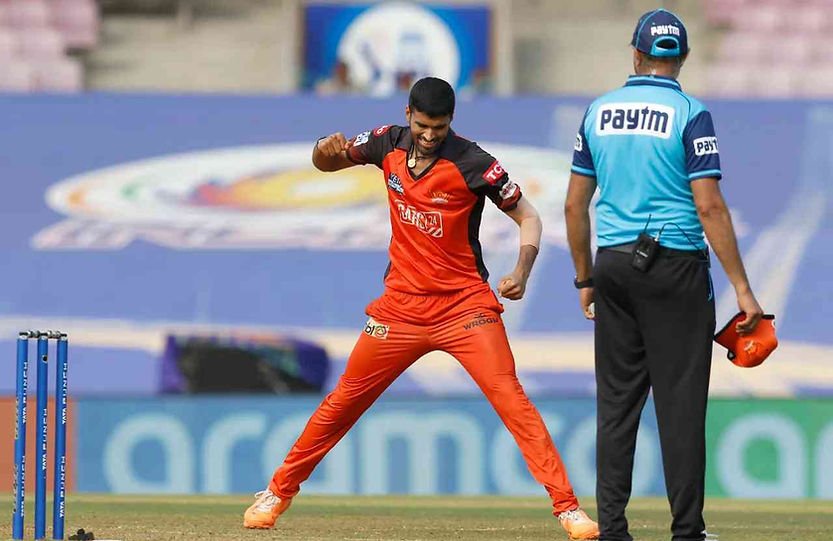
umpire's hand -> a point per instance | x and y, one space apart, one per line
585 298
748 304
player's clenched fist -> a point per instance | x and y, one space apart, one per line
512 287
330 153
333 145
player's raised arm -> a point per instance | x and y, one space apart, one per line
330 153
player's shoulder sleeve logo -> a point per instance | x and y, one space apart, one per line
705 145
494 173
361 138
579 146
364 136
509 190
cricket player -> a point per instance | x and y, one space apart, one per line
436 295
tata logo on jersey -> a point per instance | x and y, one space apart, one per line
430 223
493 174
705 145
650 119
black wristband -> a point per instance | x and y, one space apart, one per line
583 284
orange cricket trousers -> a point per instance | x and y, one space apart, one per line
402 328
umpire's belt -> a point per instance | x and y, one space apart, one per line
663 251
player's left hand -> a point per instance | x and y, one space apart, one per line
512 286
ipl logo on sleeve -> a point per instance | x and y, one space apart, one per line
361 138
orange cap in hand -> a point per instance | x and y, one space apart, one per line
751 349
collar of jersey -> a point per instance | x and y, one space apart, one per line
653 80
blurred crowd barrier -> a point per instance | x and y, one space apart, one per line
230 363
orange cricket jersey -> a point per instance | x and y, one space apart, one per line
435 217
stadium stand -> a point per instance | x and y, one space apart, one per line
253 45
197 46
771 48
42 43
763 48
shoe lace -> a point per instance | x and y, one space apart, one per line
266 500
573 514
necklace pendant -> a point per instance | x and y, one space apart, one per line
411 162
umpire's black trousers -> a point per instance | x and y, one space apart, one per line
653 331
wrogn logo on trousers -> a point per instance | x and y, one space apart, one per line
480 319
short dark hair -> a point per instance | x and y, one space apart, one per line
432 96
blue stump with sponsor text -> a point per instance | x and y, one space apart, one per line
42 390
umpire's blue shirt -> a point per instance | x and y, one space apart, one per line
645 143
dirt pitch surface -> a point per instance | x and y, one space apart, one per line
393 518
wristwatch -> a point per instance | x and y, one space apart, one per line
583 284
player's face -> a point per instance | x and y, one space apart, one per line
428 132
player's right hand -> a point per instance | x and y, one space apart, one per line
333 145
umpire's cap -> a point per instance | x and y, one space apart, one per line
660 33
751 349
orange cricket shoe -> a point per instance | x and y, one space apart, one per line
578 525
265 511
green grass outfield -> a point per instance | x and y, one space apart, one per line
389 518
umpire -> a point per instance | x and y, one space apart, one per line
651 150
